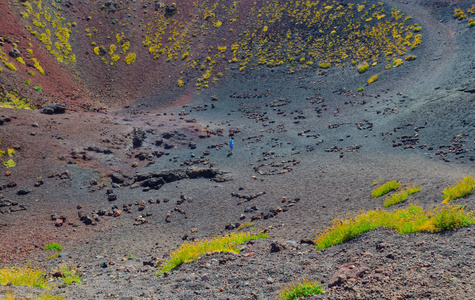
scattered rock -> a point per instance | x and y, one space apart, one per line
139 137
22 192
347 272
205 277
277 247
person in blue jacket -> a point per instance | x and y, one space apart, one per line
231 145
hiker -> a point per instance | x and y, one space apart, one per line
231 146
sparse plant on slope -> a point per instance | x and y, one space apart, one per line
69 273
300 289
400 196
56 247
23 276
8 296
362 67
192 251
385 188
409 220
460 189
372 79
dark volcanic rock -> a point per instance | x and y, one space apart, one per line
156 180
277 247
195 172
117 177
55 108
15 53
139 137
23 192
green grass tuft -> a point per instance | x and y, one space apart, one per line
460 189
409 220
192 251
54 246
400 196
385 188
300 289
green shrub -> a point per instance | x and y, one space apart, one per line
54 246
385 188
38 89
300 289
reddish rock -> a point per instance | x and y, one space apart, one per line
347 272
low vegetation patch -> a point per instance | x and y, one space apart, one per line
245 225
192 251
459 190
40 297
385 188
34 277
372 79
409 220
23 276
400 196
300 289
54 246
69 273
363 67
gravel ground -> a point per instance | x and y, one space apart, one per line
315 159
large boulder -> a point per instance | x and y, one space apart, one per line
55 108
15 53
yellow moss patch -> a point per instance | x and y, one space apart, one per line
372 79
397 62
9 66
362 67
130 58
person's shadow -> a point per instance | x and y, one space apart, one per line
229 154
